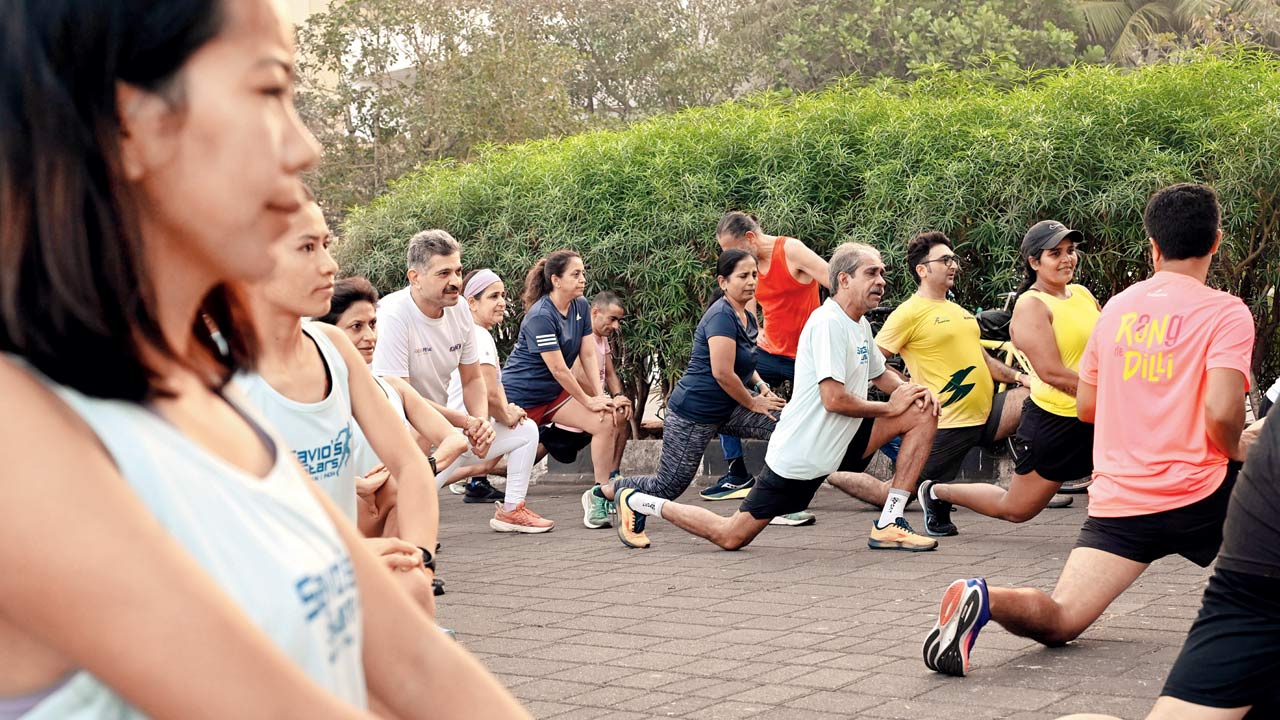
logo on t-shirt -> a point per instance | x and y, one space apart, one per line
327 460
939 320
332 594
1146 345
863 356
957 386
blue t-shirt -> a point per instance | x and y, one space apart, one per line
525 377
698 397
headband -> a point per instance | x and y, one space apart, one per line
478 282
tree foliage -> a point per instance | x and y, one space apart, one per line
978 155
1143 31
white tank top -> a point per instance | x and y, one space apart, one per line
265 541
363 458
319 434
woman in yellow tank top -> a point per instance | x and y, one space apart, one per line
1052 320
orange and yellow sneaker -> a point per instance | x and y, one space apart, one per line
898 535
630 522
519 519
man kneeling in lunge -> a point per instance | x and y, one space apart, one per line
829 425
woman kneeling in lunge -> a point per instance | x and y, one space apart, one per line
720 391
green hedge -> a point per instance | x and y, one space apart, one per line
978 156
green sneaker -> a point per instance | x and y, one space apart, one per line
795 519
595 510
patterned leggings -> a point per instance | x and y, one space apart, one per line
684 442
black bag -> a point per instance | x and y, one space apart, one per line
994 324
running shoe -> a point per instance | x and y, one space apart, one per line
595 509
520 519
480 491
729 487
1060 501
898 535
630 522
937 513
966 607
1076 487
795 519
458 488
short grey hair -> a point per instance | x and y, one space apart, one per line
428 244
847 259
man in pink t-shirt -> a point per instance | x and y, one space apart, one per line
1163 377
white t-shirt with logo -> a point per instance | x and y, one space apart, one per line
809 441
423 350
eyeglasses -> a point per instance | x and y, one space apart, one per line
947 260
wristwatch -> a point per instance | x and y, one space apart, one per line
428 560
431 460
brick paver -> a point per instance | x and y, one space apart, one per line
805 623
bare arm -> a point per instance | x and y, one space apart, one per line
723 351
837 400
1086 402
808 262
162 606
410 666
429 423
1000 372
564 376
1224 410
419 510
1032 332
505 412
611 378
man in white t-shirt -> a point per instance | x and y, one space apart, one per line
424 333
828 425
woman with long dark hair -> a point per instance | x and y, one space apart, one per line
149 163
1052 319
538 375
719 391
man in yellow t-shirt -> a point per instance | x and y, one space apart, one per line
939 340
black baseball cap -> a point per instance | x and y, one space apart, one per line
1046 234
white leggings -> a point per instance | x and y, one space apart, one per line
518 444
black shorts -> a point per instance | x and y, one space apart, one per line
1058 448
1193 531
561 444
951 445
1232 654
774 495
856 457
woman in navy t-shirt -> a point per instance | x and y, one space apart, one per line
719 392
538 375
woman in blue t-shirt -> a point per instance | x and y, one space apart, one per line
538 375
719 392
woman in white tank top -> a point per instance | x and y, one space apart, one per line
353 310
310 382
161 555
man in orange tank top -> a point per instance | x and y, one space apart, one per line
790 274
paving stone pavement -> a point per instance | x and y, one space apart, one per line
805 623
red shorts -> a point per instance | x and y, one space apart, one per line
542 414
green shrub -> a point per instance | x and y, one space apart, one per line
978 156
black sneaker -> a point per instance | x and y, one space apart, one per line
480 491
937 513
